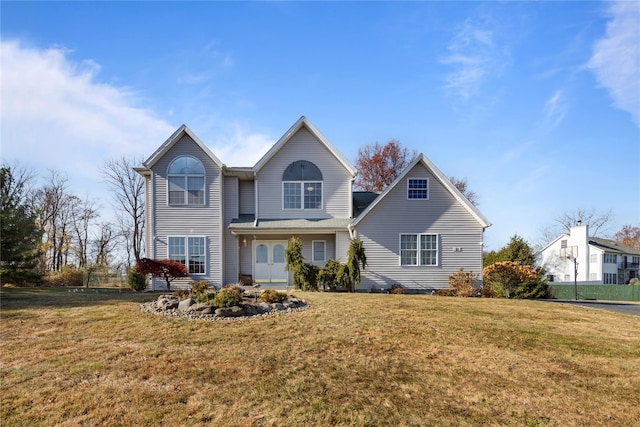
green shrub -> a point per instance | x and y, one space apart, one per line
228 297
205 296
397 289
308 277
271 296
136 281
199 286
328 275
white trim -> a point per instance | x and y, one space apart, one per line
302 189
186 251
303 121
419 249
186 189
416 179
313 251
170 142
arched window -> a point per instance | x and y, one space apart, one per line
186 181
302 186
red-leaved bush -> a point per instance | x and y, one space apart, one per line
164 268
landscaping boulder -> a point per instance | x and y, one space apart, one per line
234 311
201 307
167 302
185 304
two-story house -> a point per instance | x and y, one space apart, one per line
225 223
595 260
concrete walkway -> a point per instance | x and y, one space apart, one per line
622 307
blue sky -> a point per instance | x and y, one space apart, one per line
537 104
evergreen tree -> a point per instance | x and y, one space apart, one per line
20 235
517 250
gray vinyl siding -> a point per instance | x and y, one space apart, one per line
342 246
231 211
148 222
148 215
246 260
190 220
247 198
336 185
441 214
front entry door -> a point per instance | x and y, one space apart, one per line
269 262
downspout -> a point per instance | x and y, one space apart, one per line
350 227
255 199
351 181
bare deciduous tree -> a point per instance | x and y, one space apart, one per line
127 188
83 213
103 244
598 223
52 201
463 186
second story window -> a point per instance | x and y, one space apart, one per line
186 181
302 186
418 188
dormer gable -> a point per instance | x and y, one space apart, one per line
173 139
420 192
299 124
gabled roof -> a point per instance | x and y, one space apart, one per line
362 200
421 158
303 121
179 133
609 245
544 248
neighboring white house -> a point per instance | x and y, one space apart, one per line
226 223
599 261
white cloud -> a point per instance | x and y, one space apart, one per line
232 141
555 109
616 57
56 114
473 56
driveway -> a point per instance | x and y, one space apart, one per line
622 307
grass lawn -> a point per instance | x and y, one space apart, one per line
350 359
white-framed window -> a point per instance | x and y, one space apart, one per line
418 188
319 250
190 251
593 276
418 249
567 277
610 278
610 259
593 258
186 181
302 186
302 195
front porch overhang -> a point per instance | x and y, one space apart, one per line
250 226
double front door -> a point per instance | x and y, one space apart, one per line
269 262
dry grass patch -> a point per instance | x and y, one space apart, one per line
351 359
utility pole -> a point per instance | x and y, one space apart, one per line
574 258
